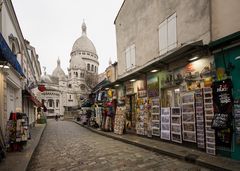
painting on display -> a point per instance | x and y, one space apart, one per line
153 86
188 116
176 131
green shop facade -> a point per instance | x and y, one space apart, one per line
226 53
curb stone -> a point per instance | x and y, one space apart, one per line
190 158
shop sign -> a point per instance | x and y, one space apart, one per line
129 88
222 98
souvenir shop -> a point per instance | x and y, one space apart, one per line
17 131
180 103
105 106
226 53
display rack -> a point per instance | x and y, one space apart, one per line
200 118
209 113
155 111
188 116
140 116
176 131
165 123
119 120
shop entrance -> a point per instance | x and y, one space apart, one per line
130 114
228 141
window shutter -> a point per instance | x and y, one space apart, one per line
172 32
163 37
128 58
133 56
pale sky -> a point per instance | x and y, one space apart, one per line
52 26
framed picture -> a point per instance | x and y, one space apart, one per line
189 136
176 138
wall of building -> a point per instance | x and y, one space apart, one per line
138 22
225 19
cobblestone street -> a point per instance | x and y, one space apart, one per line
68 146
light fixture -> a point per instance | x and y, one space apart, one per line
107 88
193 58
4 65
132 80
154 70
117 85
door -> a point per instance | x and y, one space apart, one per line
11 97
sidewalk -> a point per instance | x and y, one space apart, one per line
190 155
18 161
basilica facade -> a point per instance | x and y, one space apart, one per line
66 91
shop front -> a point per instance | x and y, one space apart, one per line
226 53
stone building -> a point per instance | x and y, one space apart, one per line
65 92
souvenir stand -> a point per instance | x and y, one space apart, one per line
18 131
155 110
120 118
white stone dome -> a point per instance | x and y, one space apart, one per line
77 62
58 71
84 43
46 79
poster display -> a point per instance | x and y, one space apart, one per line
155 110
223 102
165 123
237 119
119 120
140 116
209 113
176 130
188 116
200 118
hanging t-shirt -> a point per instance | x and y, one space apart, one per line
223 104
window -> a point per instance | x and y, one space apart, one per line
92 68
95 69
70 96
50 103
57 103
76 74
69 85
130 57
168 34
88 67
82 87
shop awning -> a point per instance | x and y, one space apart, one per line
225 41
28 94
161 62
7 55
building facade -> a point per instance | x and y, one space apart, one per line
17 70
172 56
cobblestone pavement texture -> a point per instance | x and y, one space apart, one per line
68 146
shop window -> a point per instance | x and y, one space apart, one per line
168 34
130 57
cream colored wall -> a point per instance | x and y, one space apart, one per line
137 23
225 17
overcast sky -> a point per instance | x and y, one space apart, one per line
52 26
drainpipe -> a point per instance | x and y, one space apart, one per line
1 4
210 19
